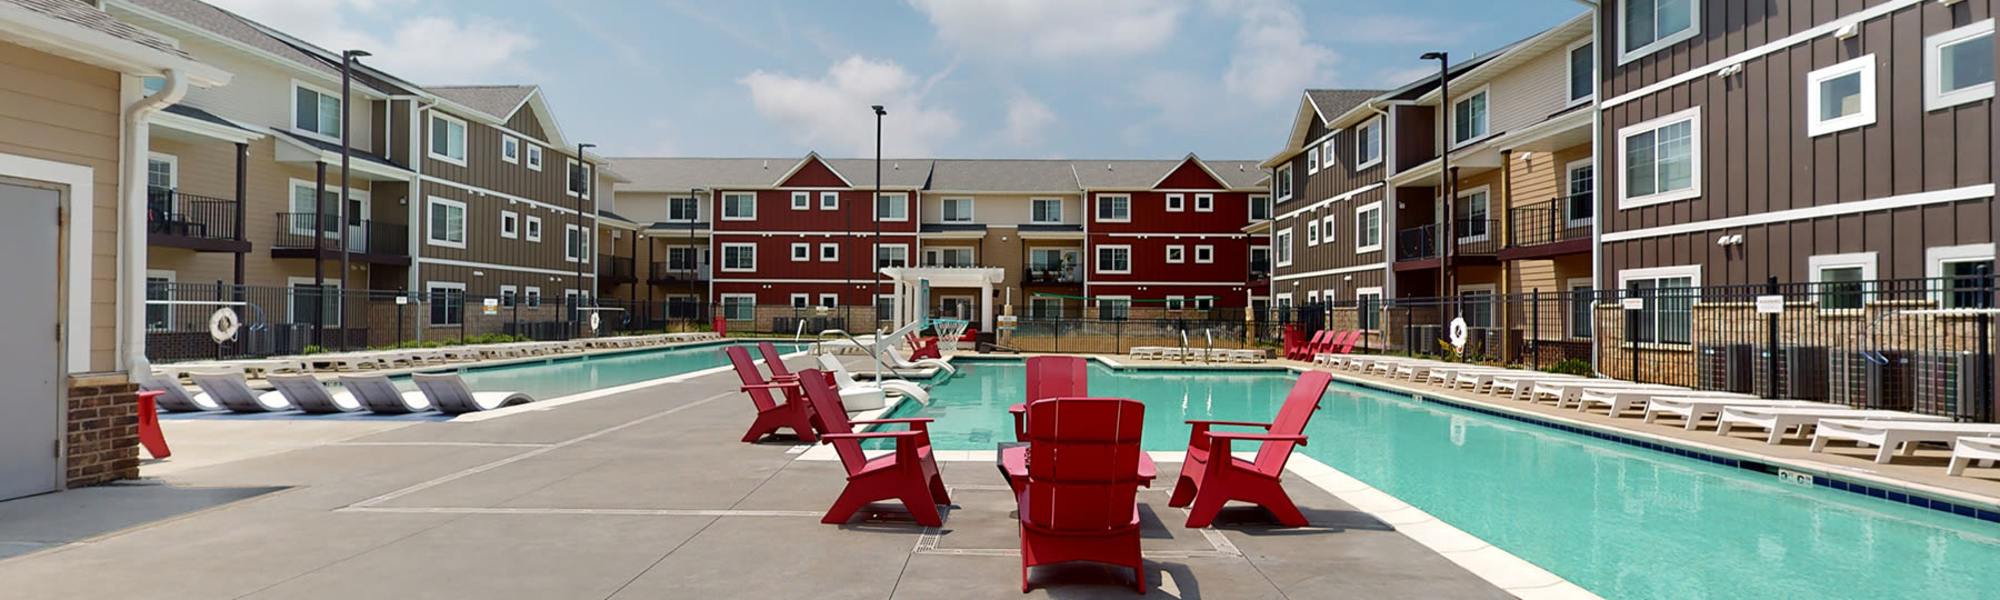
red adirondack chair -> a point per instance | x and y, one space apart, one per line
1346 346
772 415
776 363
1210 477
1050 377
924 347
1078 504
150 436
1318 340
909 474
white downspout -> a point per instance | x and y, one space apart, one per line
132 223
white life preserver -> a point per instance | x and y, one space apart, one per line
223 324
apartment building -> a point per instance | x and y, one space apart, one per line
1329 229
1167 236
452 191
71 176
1023 216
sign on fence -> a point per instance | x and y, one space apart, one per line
1770 305
1634 304
489 306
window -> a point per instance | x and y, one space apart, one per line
892 207
1475 208
447 302
579 179
576 244
159 288
1841 279
509 296
1666 313
1047 211
1051 260
1958 66
1368 144
1582 71
1204 202
1312 161
801 301
1650 25
1114 308
510 149
683 209
829 300
1312 297
681 258
1260 261
533 297
829 200
1281 242
1368 308
1326 227
801 200
1476 305
829 252
162 171
892 255
308 300
1964 274
1260 208
1045 308
1468 118
1581 319
447 139
534 229
1283 180
1659 158
1580 193
1204 302
957 210
1841 97
1176 202
510 224
1176 254
739 258
1368 227
1116 260
948 257
739 307
1114 208
447 223
1175 302
315 111
1204 254
739 206
1312 231
534 157
1326 150
802 252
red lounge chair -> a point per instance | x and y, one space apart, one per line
1083 459
1318 341
150 435
776 363
1347 346
1050 377
1210 477
772 415
909 474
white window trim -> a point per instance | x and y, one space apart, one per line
1204 202
173 167
1694 29
430 138
1374 208
1692 272
531 296
800 300
829 200
431 225
1282 179
824 256
1572 285
1371 128
584 243
905 196
1934 99
507 141
1327 159
1326 228
1368 291
510 224
1097 210
430 293
1569 70
532 228
171 278
1481 190
829 300
293 112
1864 260
1201 249
1176 202
1172 249
1312 161
1176 302
1312 232
696 217
802 200
1815 80
1693 116
725 206
1569 170
1936 257
534 154
1124 299
291 299
1312 296
1251 209
802 252
1487 126
1060 206
723 263
1097 259
725 298
505 301
1282 239
572 165
942 203
904 248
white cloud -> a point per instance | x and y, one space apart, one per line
1273 59
830 113
1027 121
424 49
1054 29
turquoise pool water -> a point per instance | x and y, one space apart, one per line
1620 521
562 377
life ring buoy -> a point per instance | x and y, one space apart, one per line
222 325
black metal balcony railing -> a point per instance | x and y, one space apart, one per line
298 231
616 268
1545 225
1050 274
170 212
1475 237
676 272
1260 270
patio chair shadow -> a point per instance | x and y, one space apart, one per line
891 517
1081 581
1251 520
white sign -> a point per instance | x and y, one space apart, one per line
1634 303
222 325
490 302
1770 305
1006 321
1459 334
402 300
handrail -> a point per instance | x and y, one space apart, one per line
874 350
1208 354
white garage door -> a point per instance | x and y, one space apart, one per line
30 410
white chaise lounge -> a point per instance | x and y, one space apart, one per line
447 392
1888 435
233 393
1778 421
380 396
1621 400
1566 391
1693 409
1969 449
175 398
307 394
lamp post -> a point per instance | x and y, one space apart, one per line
1446 183
694 300
583 187
873 292
347 60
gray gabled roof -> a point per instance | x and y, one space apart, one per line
497 101
896 172
1142 174
1332 103
226 24
963 175
76 11
676 174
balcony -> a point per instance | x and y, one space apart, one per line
1420 247
616 269
1051 275
1260 272
670 272
306 235
1544 231
198 223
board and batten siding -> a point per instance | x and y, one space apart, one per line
485 170
1340 180
1756 156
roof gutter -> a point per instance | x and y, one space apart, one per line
132 220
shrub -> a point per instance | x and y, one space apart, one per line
313 349
1571 366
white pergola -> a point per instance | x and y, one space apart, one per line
906 279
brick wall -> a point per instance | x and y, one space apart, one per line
102 429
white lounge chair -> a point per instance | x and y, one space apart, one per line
1781 420
1692 409
380 396
1888 435
857 396
1969 449
174 398
1521 386
448 393
233 393
1621 400
1145 351
1448 376
1566 391
306 393
1247 355
896 361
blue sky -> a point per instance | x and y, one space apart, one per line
973 78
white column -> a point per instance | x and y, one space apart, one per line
896 306
985 305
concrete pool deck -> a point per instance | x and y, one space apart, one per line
644 493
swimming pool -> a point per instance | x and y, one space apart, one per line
558 377
1622 522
